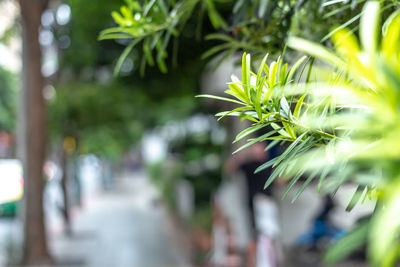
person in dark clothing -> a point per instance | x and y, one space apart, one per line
255 182
255 185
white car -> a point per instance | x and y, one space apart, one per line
11 185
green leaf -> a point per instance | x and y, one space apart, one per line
162 48
282 138
293 181
266 69
246 74
273 176
142 67
221 98
126 13
265 165
338 10
238 5
116 30
304 185
257 103
248 131
148 7
268 95
266 116
297 109
391 34
230 92
272 144
216 20
248 117
385 225
310 66
285 108
356 197
272 73
124 54
262 8
261 68
114 36
161 65
316 50
147 52
289 129
322 177
226 113
292 161
214 50
238 91
290 148
282 74
342 26
118 18
256 140
259 90
156 40
369 26
352 241
219 36
282 132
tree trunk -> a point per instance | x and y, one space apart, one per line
33 124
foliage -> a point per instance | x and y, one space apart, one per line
105 114
79 50
8 101
98 117
342 123
194 156
154 23
107 119
201 156
256 26
324 14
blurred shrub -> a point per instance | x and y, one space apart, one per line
8 100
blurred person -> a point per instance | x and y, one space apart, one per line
230 226
221 229
5 144
263 248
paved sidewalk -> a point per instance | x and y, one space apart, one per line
124 227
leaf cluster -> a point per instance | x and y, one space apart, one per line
257 25
342 123
264 100
153 24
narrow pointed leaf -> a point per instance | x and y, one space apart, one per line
369 26
293 70
297 109
248 131
356 197
221 98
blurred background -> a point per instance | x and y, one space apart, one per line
136 170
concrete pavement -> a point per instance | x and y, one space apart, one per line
126 226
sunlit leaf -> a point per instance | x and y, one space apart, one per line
221 98
316 50
369 26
